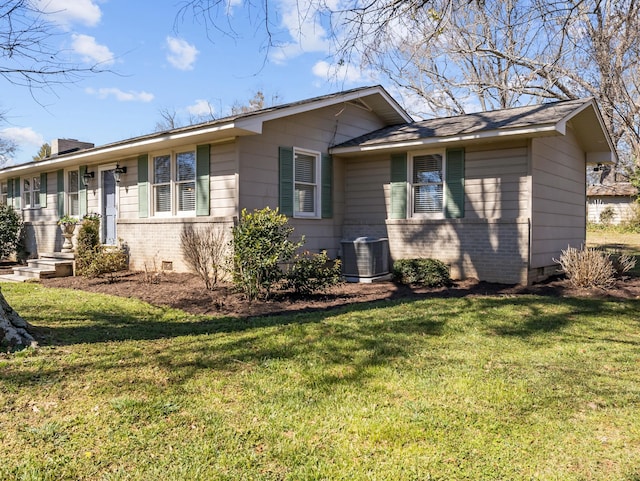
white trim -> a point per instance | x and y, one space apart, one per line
35 200
173 190
66 191
411 214
102 169
433 141
316 214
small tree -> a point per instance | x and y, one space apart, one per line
260 244
204 251
10 230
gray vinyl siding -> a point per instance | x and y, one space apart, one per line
316 131
42 233
559 197
497 182
491 241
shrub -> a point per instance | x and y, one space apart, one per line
88 244
94 259
587 267
423 272
607 215
623 263
311 273
261 243
10 230
107 261
204 251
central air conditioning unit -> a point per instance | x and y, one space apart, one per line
365 259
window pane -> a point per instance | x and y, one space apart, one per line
162 198
36 184
427 169
305 198
305 168
26 185
187 196
74 208
27 198
162 169
186 166
73 182
427 199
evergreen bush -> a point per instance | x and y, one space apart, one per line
423 272
10 230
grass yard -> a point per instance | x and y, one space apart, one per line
617 242
509 388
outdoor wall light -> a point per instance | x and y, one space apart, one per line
86 177
118 171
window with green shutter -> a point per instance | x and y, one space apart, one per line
427 184
306 183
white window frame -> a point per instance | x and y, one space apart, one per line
173 182
411 185
4 192
67 193
33 195
317 184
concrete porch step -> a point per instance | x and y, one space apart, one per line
46 266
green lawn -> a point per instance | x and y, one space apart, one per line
510 388
616 242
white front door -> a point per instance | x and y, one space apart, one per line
109 208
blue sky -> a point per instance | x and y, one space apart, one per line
156 63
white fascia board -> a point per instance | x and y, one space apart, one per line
126 148
490 134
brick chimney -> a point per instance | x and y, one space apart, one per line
65 146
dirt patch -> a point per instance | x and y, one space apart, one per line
186 292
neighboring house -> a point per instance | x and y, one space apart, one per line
619 199
496 195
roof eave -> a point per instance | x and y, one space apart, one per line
538 130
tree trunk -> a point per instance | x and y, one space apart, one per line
14 330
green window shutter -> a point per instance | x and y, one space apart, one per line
203 189
454 184
16 193
60 181
398 186
143 186
43 189
82 192
327 187
286 180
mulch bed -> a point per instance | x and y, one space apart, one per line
186 291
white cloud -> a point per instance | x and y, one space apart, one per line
68 12
347 73
182 55
26 139
91 51
201 108
22 136
304 28
120 95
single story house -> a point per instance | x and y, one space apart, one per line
618 199
496 195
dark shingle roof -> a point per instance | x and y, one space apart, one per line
469 124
